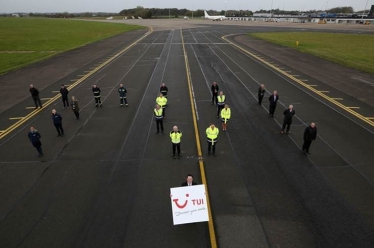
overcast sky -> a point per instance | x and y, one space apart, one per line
9 6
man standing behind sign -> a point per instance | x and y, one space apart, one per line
212 135
189 181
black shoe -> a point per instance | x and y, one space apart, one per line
179 156
62 135
40 155
308 152
58 135
214 154
156 132
173 156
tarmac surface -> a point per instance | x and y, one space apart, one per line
106 183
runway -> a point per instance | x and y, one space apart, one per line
106 183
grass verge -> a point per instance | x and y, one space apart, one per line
26 40
351 50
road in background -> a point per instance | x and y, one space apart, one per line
106 183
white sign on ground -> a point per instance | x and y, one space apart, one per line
189 204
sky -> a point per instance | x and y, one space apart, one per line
10 6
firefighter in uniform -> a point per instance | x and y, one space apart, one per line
162 101
220 103
176 136
122 95
225 116
97 95
212 135
164 90
159 119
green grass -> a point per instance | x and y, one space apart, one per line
44 38
352 50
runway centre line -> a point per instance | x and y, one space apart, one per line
212 235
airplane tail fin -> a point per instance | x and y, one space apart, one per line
205 14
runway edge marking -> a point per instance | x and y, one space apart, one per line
336 103
51 100
212 235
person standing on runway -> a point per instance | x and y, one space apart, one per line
34 137
64 95
75 107
159 119
310 134
176 136
273 99
35 96
261 93
225 116
220 103
288 114
122 95
164 90
212 136
162 101
215 90
189 181
97 95
57 121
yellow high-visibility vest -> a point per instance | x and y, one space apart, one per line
176 136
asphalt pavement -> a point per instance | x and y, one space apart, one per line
106 182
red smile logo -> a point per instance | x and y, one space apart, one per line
181 206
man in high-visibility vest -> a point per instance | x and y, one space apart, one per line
159 119
221 98
176 136
212 136
162 101
225 116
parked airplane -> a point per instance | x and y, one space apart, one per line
214 18
110 18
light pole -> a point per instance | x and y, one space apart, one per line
271 9
192 10
362 18
169 12
225 8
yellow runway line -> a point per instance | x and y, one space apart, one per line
16 118
30 107
55 91
304 80
212 235
338 99
324 91
353 107
320 93
45 99
78 81
312 85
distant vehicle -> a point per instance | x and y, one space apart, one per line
110 18
186 18
214 18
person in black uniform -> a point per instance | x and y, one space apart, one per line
34 137
122 95
75 107
189 181
261 93
310 134
273 99
35 96
288 114
97 95
164 90
215 90
64 95
57 121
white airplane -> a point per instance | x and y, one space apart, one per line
110 18
214 18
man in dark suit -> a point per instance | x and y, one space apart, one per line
273 99
189 181
288 114
34 137
215 90
310 134
261 93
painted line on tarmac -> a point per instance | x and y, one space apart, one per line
338 99
30 107
46 98
324 91
16 118
326 97
53 99
354 107
212 235
55 91
312 85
